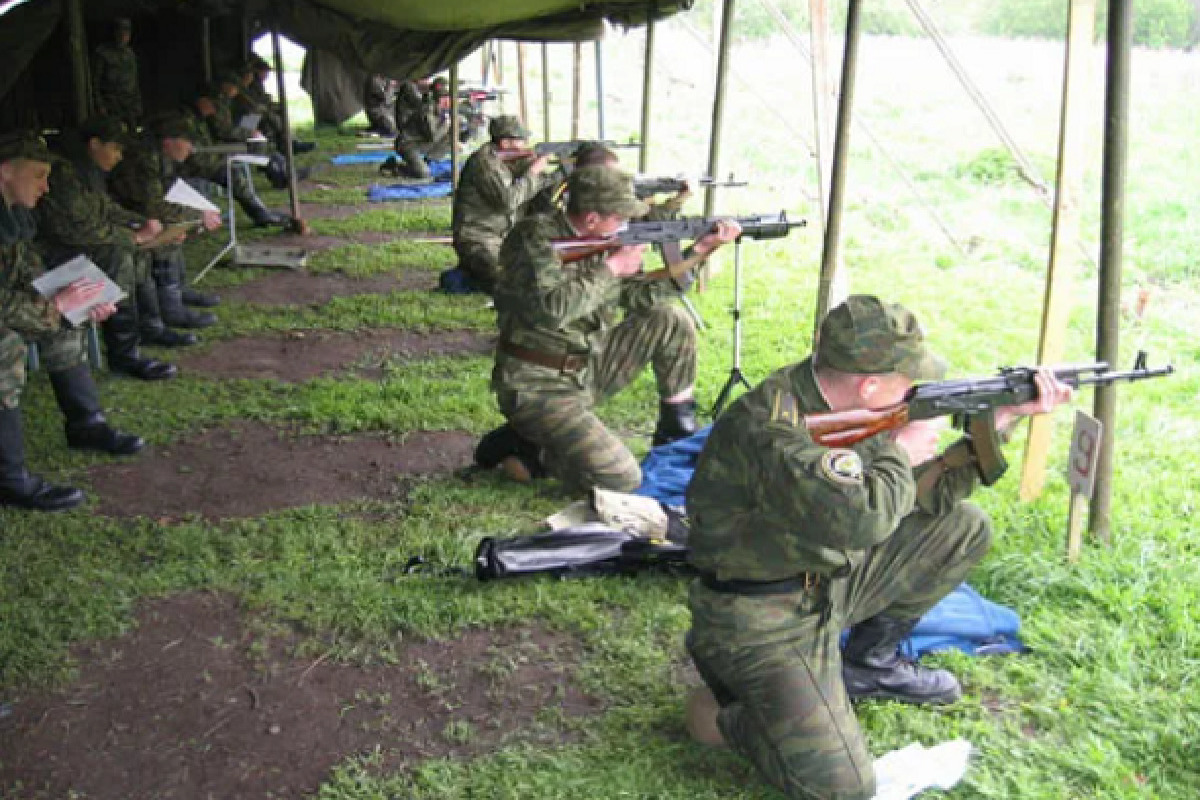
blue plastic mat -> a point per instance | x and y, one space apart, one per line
963 620
362 157
407 191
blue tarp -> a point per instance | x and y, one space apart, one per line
408 191
362 157
963 619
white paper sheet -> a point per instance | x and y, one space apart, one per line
80 267
904 773
249 122
182 194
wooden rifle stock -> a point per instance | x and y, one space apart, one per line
844 428
572 250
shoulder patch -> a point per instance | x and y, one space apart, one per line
842 466
785 409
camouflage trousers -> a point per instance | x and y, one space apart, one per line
58 351
127 267
576 446
481 261
211 167
775 665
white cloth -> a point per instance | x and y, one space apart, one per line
906 772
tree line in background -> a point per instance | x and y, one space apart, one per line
1170 24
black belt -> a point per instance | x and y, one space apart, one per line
805 581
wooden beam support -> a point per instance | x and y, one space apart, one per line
1060 273
718 108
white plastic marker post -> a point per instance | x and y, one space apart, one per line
1081 475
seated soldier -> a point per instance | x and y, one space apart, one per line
497 182
252 98
139 183
561 351
215 109
379 101
24 173
78 216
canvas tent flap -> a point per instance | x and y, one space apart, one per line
23 31
469 15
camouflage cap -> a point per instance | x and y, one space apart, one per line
24 144
506 127
123 24
866 336
604 190
593 154
173 126
106 129
228 76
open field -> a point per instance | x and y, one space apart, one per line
257 633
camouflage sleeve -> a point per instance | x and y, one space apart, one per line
552 296
21 308
501 190
73 215
136 183
947 480
640 293
841 498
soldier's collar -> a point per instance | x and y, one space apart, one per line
807 387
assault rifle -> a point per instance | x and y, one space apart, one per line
669 233
558 150
648 185
972 403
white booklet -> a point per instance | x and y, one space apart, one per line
182 194
79 267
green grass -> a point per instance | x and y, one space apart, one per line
1106 704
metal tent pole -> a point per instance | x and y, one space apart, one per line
576 88
718 108
77 42
600 90
454 126
1112 218
545 93
293 192
841 151
647 71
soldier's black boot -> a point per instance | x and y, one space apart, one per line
86 427
151 328
19 488
197 299
262 216
168 276
675 421
872 666
121 338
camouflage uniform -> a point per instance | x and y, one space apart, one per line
78 216
558 310
115 83
795 542
379 100
491 196
422 129
25 314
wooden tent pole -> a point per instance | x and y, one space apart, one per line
281 84
206 48
837 178
545 93
576 75
522 95
1064 231
77 41
718 107
454 126
600 90
1112 218
647 71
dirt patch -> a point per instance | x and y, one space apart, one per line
307 289
250 469
180 708
318 242
329 211
303 355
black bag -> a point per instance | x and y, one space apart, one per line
590 549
